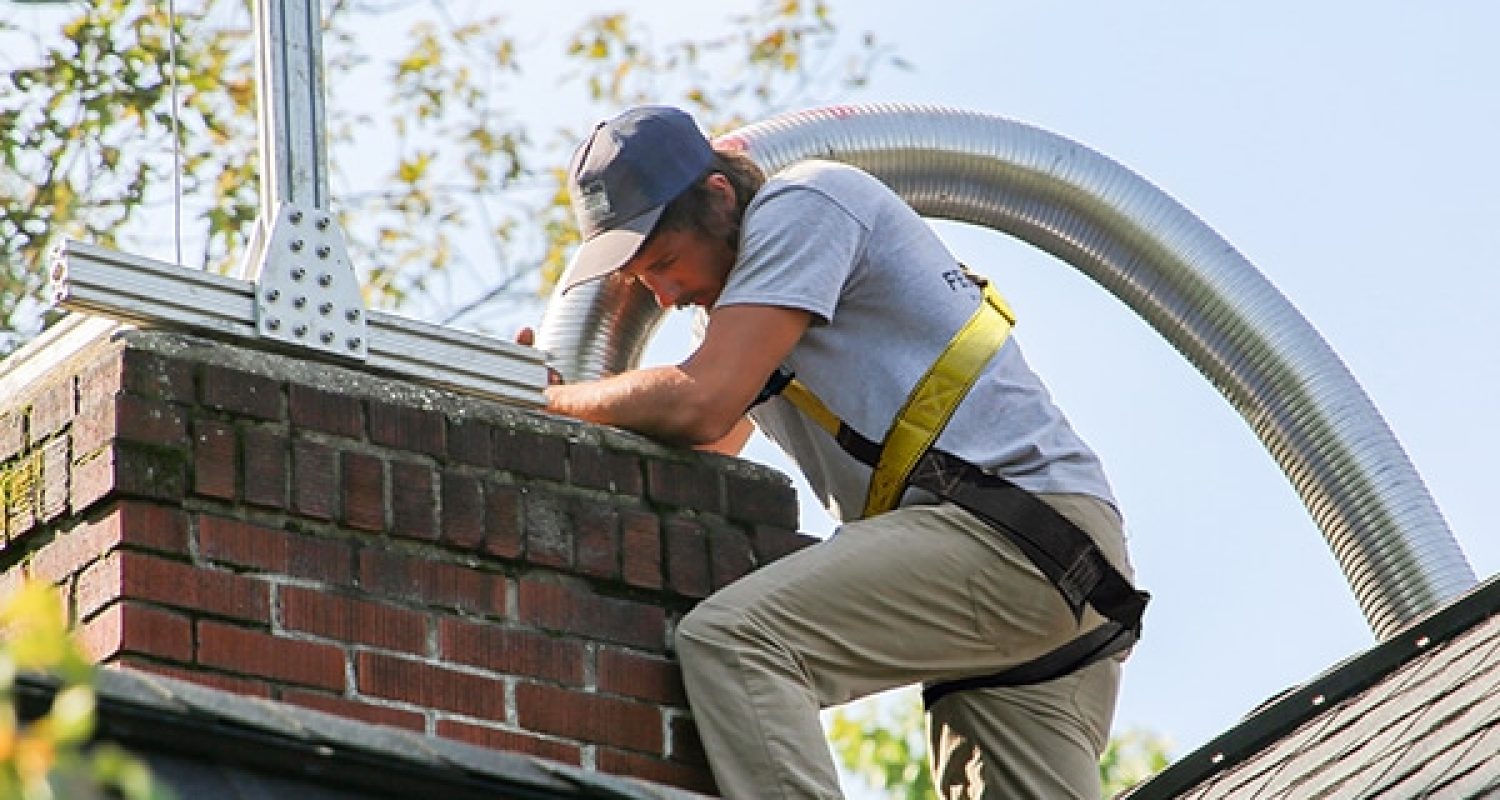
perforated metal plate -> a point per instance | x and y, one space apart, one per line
306 291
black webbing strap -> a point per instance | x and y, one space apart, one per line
1096 645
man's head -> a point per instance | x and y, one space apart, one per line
647 173
621 178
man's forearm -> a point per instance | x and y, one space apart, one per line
660 402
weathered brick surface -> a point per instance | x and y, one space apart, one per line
683 485
215 459
260 654
349 619
435 583
315 409
266 453
640 549
404 428
424 685
363 496
238 392
129 627
413 501
590 717
510 651
572 608
687 558
477 572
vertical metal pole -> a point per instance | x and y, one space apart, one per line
293 146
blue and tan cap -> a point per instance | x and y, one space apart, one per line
622 177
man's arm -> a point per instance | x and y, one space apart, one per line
701 400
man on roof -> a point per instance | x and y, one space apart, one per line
980 551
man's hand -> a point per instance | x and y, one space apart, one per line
526 337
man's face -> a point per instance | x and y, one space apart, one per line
683 268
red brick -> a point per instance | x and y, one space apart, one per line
245 544
144 374
589 717
512 652
645 677
52 491
266 472
131 627
314 481
429 686
353 709
262 655
147 421
597 468
327 412
214 680
151 526
548 529
730 555
93 476
241 392
596 536
667 773
572 608
687 558
462 510
51 409
684 485
148 472
70 551
413 501
531 454
364 491
413 429
100 381
511 742
502 520
761 501
94 427
469 442
640 549
436 583
683 742
347 619
215 459
12 434
137 576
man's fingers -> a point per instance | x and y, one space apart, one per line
526 336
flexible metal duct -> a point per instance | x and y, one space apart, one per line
1190 284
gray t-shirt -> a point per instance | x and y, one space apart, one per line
886 297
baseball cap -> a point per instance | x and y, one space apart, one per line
622 177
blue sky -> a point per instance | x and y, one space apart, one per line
1348 150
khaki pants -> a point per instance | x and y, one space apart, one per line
920 594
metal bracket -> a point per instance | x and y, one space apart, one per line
306 293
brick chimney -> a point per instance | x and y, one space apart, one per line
361 545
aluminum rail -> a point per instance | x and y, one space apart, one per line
95 280
1187 282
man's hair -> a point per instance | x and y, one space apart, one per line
691 209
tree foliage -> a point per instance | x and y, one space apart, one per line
448 192
50 757
884 746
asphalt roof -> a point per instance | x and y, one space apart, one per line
204 742
1415 716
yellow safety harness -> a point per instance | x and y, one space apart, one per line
931 402
906 457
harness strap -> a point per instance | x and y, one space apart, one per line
1096 645
935 397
